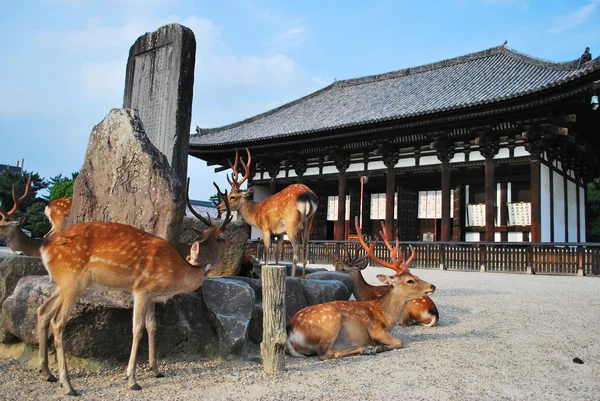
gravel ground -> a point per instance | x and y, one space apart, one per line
500 337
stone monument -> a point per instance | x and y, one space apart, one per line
125 179
159 84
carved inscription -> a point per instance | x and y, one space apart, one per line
150 95
127 172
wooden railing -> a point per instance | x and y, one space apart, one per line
515 257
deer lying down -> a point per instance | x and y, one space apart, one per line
341 328
420 311
10 230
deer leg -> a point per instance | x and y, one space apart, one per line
45 314
386 340
140 308
68 297
295 251
305 234
151 330
278 251
267 241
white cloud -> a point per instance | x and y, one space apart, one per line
574 19
294 36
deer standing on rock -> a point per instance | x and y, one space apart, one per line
10 230
57 212
118 257
419 311
289 211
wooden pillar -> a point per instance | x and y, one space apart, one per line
490 200
445 152
300 167
446 226
534 146
389 199
341 216
488 147
342 162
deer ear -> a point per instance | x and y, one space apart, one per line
194 250
385 279
249 191
21 220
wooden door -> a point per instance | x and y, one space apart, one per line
408 203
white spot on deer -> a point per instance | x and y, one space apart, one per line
324 317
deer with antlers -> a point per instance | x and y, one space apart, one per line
57 212
289 211
10 230
419 311
119 257
341 328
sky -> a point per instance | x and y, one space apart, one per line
62 63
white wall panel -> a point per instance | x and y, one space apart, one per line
559 207
545 203
572 210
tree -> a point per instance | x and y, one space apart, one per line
62 187
36 220
8 179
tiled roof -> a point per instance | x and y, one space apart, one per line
478 78
202 208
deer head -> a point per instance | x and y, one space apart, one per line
5 216
349 264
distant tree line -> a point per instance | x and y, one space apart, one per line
32 207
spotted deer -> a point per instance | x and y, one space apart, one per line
57 212
10 230
341 328
289 211
420 311
118 257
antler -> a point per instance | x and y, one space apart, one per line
198 216
234 175
6 215
396 264
217 206
225 200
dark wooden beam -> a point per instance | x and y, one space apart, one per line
446 226
341 220
490 200
390 185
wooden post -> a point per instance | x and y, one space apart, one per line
490 200
535 188
446 228
341 220
389 198
272 348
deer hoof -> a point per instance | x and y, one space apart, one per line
73 393
136 387
159 375
369 351
51 379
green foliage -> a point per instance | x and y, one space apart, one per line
36 221
62 187
214 198
593 212
8 179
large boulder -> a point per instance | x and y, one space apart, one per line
332 275
125 179
13 267
100 324
231 261
230 304
321 291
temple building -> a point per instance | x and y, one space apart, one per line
491 146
